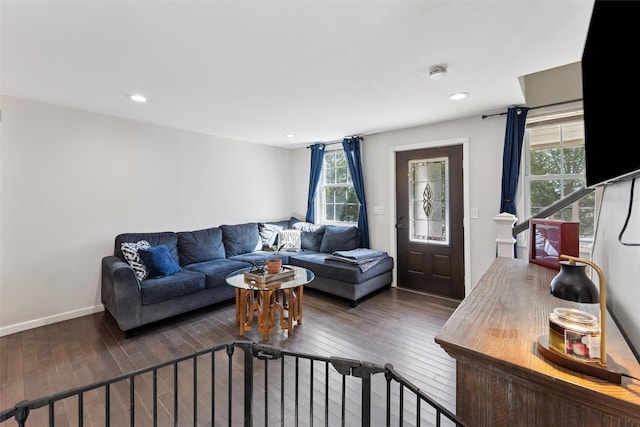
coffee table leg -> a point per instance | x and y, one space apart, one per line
241 309
298 310
238 305
263 326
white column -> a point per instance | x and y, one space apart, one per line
505 239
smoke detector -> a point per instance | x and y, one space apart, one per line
437 72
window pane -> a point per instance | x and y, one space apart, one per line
429 200
546 162
543 194
574 161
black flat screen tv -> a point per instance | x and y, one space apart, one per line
610 92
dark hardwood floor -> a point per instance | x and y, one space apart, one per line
395 326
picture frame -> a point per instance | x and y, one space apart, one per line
548 239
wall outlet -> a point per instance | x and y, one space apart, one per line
378 210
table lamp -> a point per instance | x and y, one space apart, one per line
574 327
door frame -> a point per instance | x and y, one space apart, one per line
464 141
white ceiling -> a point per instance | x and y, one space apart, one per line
257 70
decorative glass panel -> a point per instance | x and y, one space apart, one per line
429 200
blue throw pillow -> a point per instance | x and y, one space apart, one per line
337 238
158 261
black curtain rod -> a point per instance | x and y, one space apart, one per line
337 142
484 116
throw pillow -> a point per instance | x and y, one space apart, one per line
240 239
201 245
269 233
131 254
337 238
158 261
306 226
312 240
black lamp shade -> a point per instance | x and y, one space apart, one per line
573 284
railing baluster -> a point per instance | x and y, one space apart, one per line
132 419
155 398
107 404
195 391
80 409
175 394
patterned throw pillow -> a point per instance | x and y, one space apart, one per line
268 233
130 252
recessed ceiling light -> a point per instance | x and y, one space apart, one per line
458 96
289 135
137 98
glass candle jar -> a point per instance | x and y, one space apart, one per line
575 333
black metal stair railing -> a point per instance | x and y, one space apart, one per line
192 390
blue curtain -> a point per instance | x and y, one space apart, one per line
317 158
513 138
354 161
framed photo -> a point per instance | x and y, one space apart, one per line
548 239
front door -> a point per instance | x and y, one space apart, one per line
429 223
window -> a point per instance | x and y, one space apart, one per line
555 167
337 201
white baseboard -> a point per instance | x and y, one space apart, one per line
35 323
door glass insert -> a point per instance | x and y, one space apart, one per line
429 200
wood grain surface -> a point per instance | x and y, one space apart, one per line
501 377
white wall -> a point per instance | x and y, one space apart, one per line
71 180
486 139
619 263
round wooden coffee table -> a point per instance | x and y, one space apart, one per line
279 298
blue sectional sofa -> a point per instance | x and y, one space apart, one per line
153 276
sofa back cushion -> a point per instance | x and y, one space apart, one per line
168 238
200 245
240 239
338 238
312 240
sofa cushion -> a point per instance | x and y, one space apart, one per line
337 238
312 240
321 267
200 245
158 261
259 257
269 233
131 253
165 288
217 270
241 238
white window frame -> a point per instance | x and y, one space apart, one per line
320 202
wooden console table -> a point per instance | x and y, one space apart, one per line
502 380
